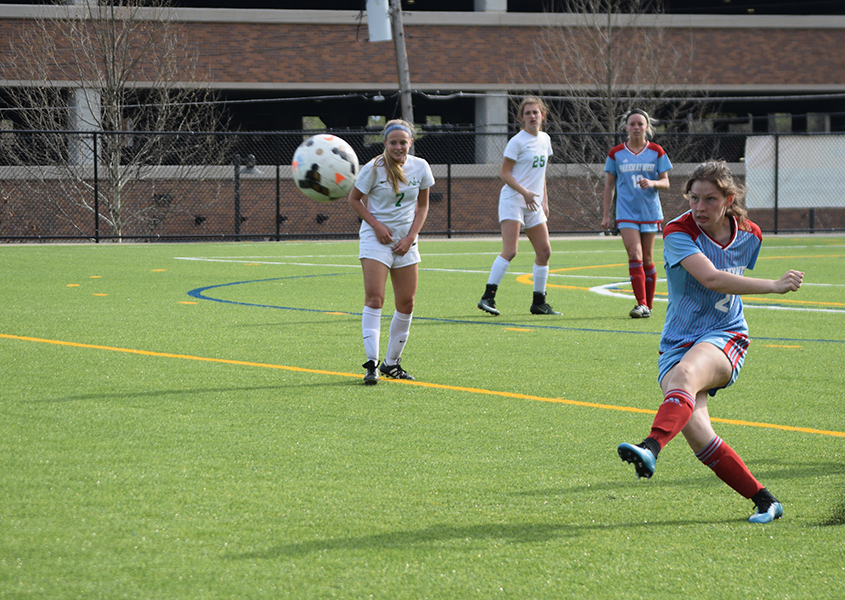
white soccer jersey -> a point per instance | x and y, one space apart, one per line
530 155
395 211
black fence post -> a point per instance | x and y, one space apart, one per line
777 178
237 161
96 192
449 186
278 186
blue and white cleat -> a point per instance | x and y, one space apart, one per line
642 459
775 511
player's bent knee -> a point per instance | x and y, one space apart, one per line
678 377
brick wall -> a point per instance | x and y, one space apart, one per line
474 58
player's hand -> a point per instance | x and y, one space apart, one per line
402 246
605 223
790 282
383 234
645 183
531 201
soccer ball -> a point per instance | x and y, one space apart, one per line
325 167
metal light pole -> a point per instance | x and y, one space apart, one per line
401 61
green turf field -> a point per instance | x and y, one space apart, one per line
188 421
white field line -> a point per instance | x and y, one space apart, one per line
606 289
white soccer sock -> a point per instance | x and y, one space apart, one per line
400 326
541 275
371 329
497 272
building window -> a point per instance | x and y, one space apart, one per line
780 122
313 124
740 126
818 123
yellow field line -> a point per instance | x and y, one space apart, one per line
528 279
587 267
780 300
436 386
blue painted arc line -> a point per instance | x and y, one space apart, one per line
199 293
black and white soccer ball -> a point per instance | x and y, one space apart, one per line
325 167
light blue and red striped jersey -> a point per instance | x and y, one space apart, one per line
634 204
693 309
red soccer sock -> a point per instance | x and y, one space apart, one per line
729 467
672 416
650 283
637 273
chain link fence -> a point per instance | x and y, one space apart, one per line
232 186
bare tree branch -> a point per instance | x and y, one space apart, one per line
114 69
618 58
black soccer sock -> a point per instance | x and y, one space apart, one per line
651 444
763 499
490 290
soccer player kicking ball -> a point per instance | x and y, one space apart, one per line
705 335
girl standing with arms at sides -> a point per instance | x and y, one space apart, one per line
635 171
523 202
705 336
397 185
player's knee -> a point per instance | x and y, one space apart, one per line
543 255
374 301
678 378
405 305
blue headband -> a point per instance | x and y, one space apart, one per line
396 126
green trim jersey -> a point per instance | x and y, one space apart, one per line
395 210
531 156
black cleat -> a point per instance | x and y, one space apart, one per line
394 372
540 307
543 309
488 305
371 378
